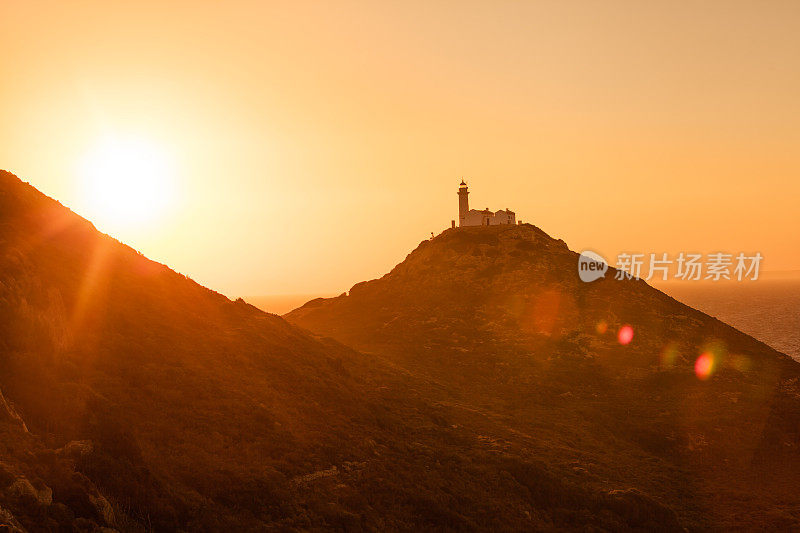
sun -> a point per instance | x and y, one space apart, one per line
126 182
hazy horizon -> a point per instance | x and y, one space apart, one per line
280 303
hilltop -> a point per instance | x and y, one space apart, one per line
498 319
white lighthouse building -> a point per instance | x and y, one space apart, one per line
475 217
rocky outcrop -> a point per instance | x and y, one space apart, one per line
8 413
103 507
23 489
77 449
8 523
28 474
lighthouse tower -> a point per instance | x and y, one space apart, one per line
463 204
480 217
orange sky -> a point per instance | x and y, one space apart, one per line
313 145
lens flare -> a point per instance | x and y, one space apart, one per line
668 355
625 335
704 366
601 327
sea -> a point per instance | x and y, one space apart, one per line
768 310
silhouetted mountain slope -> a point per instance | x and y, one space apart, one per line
498 318
140 400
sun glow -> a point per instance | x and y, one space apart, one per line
126 182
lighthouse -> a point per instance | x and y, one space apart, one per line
480 217
463 204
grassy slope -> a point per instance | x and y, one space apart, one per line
498 318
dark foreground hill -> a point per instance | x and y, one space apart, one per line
498 321
133 398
